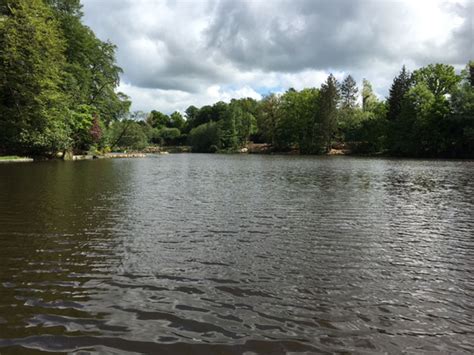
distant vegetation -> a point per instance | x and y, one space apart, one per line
58 94
428 113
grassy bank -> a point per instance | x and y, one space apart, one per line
14 159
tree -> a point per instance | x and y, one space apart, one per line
32 104
229 137
349 92
461 118
157 119
299 126
368 97
191 114
126 134
440 79
91 75
245 121
268 117
348 107
400 86
177 120
205 138
168 136
328 99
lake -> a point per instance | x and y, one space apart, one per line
237 254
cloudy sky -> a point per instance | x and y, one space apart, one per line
196 52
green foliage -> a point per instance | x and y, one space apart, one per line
191 117
328 101
369 100
348 115
126 134
370 132
268 117
166 136
32 104
349 92
238 124
158 120
56 78
428 123
229 137
66 7
440 79
80 123
177 121
429 113
205 138
400 86
299 126
461 121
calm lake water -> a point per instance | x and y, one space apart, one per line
206 254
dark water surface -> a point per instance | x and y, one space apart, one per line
216 254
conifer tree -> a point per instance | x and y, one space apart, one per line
400 86
329 97
349 93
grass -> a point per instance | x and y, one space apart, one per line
12 158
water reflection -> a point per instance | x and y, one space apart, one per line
207 254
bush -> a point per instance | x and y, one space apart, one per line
169 136
205 138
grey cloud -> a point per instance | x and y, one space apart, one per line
179 72
305 34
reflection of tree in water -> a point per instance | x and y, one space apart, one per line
56 240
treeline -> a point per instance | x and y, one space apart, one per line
57 80
428 113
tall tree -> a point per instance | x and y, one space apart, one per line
462 115
349 92
328 99
268 117
158 119
91 74
229 136
368 97
348 109
176 120
440 79
191 114
400 86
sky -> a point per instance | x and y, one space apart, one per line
196 52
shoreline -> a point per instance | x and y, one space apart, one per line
14 159
145 153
